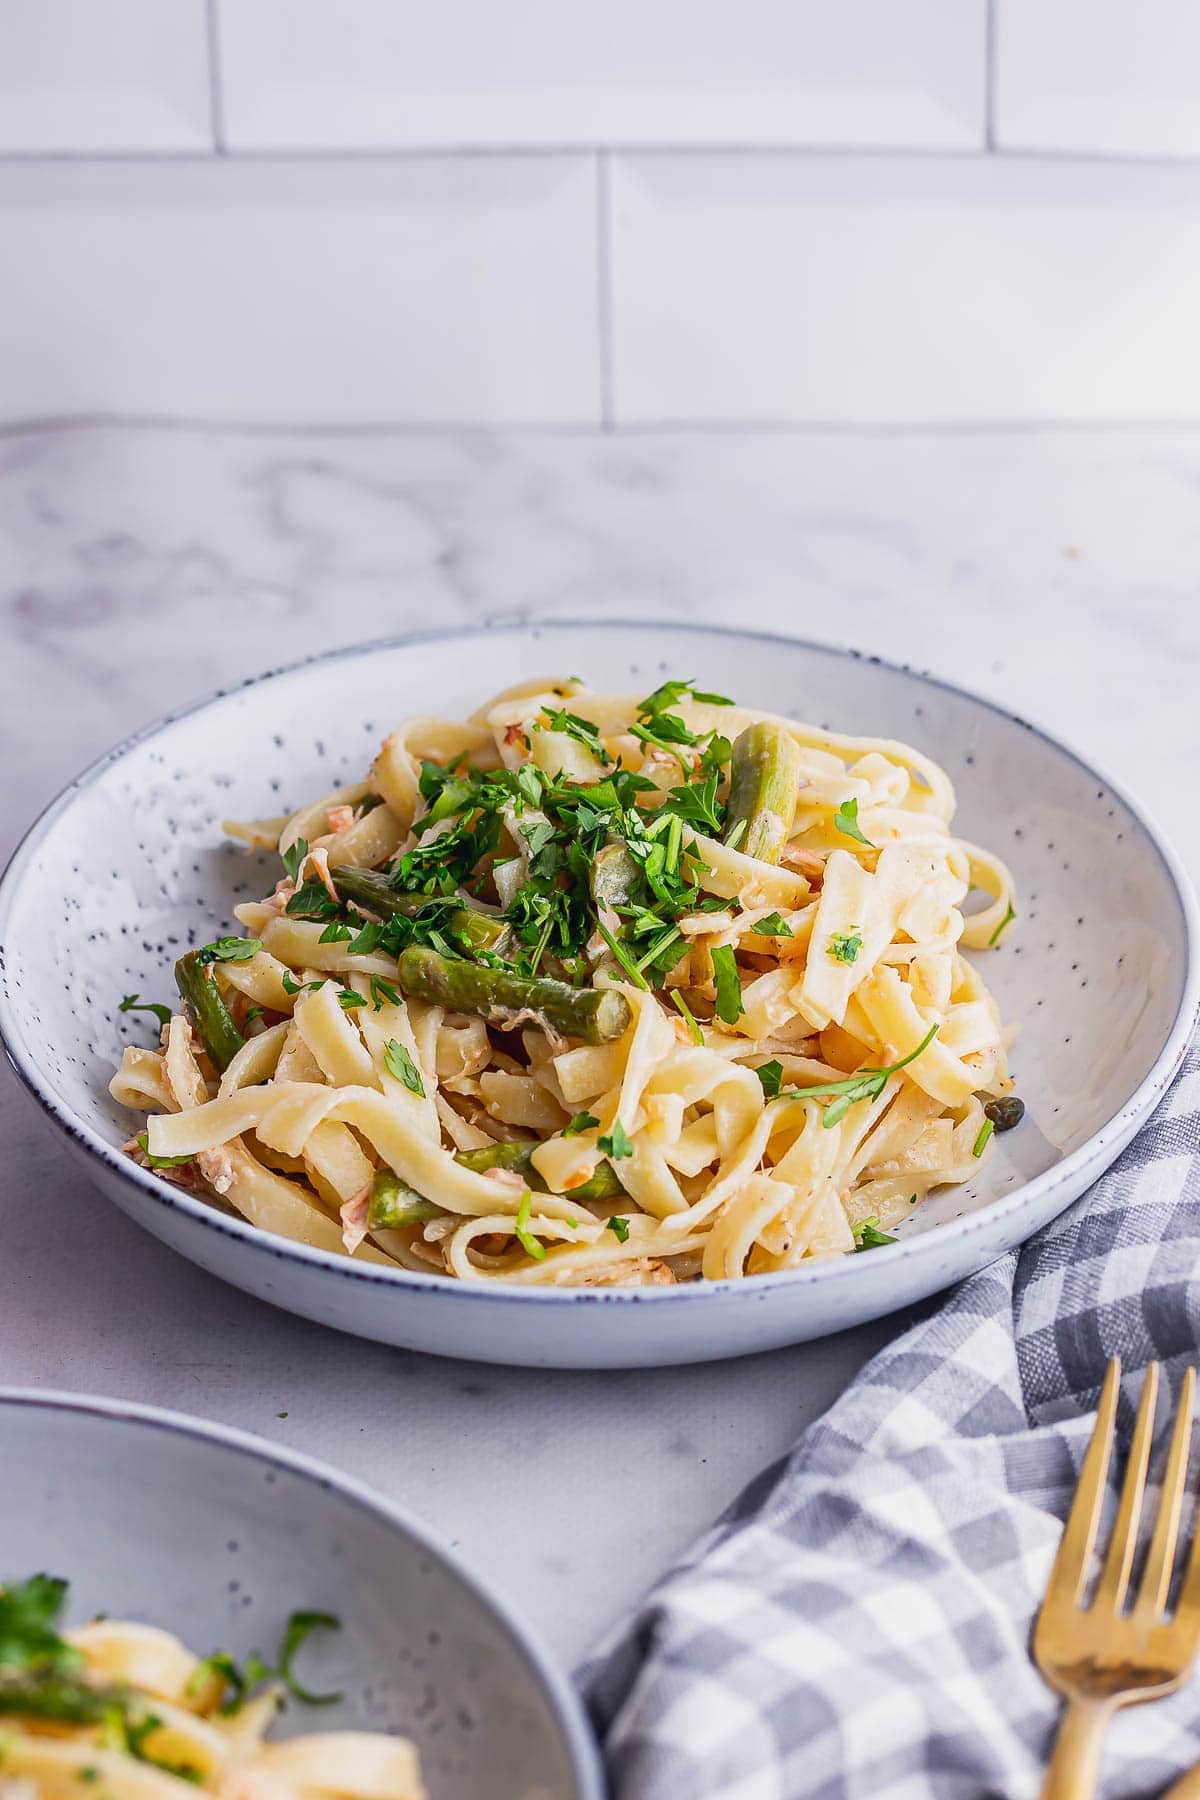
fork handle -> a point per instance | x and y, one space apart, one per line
1075 1764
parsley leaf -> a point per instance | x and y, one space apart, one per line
774 925
582 730
867 1235
619 1228
616 1145
531 1245
696 802
383 991
399 1063
133 1003
293 856
583 1121
292 986
729 985
845 820
770 1075
844 946
348 1000
30 1614
229 949
160 1162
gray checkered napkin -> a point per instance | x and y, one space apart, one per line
858 1623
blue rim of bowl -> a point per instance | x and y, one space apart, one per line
924 1246
564 1702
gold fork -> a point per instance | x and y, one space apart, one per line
1099 1657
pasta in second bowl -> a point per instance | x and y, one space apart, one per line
591 1047
403 1675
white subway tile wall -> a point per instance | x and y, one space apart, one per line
787 211
449 290
385 74
104 75
1113 77
868 289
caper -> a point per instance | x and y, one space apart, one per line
1006 1112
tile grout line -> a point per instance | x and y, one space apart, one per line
989 77
331 156
216 94
604 291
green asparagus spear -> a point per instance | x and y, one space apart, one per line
613 876
394 1204
597 1015
205 1005
604 1184
764 783
369 889
58 1698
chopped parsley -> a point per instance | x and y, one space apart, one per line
845 820
159 1162
242 1680
1007 920
981 1142
349 1000
293 856
685 1010
531 1245
774 925
583 1121
867 1084
729 985
399 1063
844 946
30 1615
383 993
770 1076
582 730
616 1145
229 949
134 1003
619 1228
867 1235
292 986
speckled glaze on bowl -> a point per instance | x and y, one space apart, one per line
217 1536
1101 968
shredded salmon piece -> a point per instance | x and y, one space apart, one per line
353 1215
806 862
340 818
507 1178
216 1166
319 860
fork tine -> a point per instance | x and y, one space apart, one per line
1160 1559
1074 1557
1114 1576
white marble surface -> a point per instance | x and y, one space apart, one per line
1056 571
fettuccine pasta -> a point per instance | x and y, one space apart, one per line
124 1711
594 989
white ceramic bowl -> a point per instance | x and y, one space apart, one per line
1101 968
217 1536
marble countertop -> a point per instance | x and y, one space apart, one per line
140 567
